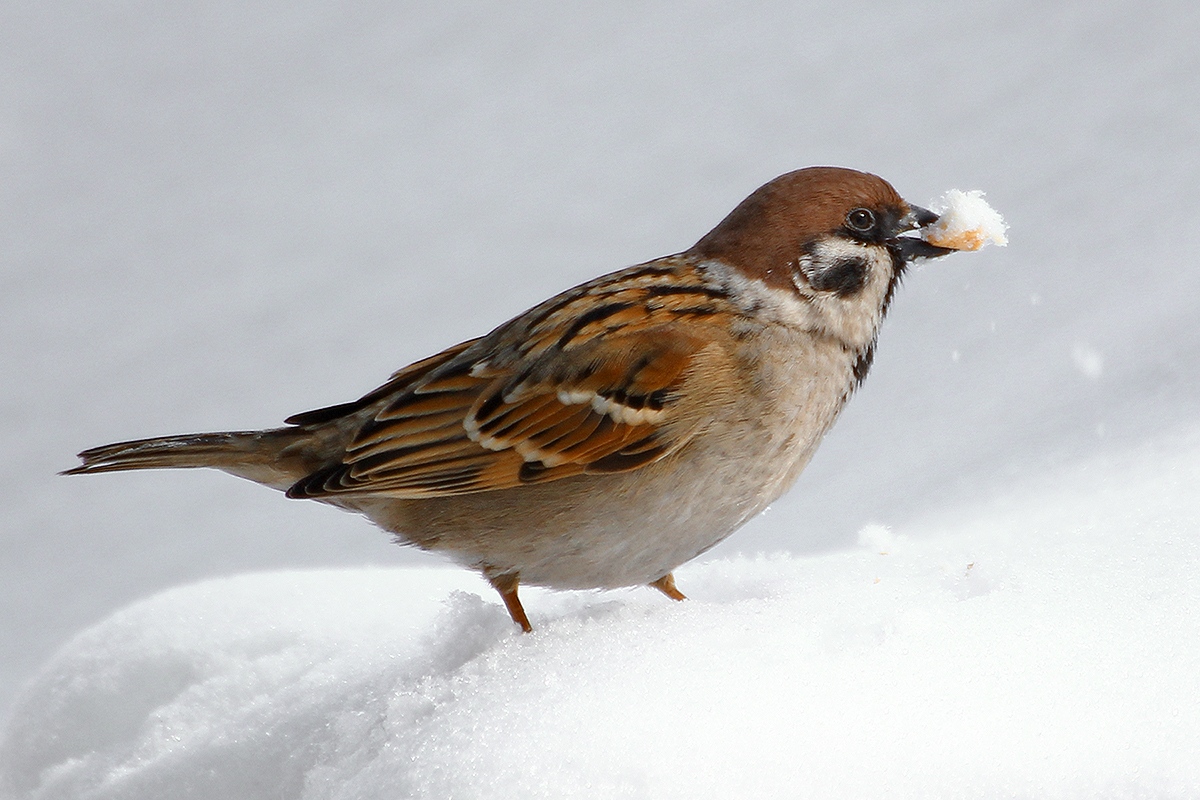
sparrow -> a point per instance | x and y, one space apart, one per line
621 428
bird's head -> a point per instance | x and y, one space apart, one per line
835 237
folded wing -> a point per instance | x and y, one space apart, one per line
468 425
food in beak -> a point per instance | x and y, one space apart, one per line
965 222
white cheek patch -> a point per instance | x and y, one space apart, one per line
851 316
837 265
853 320
755 298
836 248
804 268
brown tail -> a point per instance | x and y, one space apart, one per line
256 455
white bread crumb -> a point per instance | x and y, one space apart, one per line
965 222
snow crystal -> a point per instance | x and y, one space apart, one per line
965 222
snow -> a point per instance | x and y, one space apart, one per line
1044 644
217 215
965 222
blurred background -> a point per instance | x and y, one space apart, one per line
216 215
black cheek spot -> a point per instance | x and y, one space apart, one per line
843 277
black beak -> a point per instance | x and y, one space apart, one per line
920 217
910 247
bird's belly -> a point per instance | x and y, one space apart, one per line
613 530
605 531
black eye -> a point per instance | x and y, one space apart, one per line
861 220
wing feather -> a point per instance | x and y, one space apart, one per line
576 385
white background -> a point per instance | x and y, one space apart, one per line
214 216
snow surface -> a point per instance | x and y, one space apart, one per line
1045 644
965 222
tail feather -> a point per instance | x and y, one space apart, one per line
261 456
189 450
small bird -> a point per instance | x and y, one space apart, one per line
621 428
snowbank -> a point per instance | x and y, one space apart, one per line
1047 645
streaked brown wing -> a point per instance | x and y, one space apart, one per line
538 414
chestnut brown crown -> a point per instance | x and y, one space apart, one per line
767 231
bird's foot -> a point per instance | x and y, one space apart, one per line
666 585
506 585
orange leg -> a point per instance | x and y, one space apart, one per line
666 585
506 585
